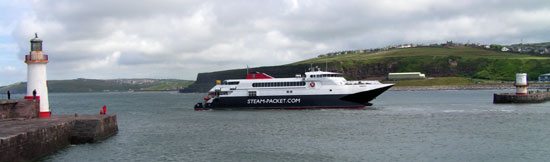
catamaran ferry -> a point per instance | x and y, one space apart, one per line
316 90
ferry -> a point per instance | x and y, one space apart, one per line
315 90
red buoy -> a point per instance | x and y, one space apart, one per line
104 109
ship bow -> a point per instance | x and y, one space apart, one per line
366 96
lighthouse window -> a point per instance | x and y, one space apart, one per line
36 47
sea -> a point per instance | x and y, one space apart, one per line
401 126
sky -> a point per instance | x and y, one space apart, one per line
106 39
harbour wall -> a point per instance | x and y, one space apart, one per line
532 97
30 139
540 87
19 108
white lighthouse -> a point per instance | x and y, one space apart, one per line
37 87
521 83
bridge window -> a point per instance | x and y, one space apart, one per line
326 75
279 84
230 83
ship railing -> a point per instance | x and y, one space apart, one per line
361 82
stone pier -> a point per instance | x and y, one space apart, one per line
26 109
532 97
27 139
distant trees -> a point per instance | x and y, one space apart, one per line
496 46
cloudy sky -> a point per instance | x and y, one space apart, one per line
106 39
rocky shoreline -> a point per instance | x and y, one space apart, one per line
465 87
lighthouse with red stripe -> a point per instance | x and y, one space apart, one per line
37 87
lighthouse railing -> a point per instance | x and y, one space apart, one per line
35 57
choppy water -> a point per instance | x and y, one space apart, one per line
401 126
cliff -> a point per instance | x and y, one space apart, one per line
432 61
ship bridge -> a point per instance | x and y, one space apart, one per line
326 78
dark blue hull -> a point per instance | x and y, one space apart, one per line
352 101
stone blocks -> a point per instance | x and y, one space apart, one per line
26 140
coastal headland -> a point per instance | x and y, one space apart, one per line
97 85
463 67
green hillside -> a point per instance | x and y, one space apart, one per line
95 85
450 66
464 52
438 62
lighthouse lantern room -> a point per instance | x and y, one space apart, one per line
37 87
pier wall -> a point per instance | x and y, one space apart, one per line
31 144
90 129
19 108
536 97
27 140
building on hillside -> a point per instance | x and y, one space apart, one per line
474 45
405 76
505 49
544 77
450 44
405 46
542 50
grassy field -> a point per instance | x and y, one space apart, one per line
434 52
438 62
96 85
168 86
440 81
454 81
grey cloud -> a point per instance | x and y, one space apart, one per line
171 38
